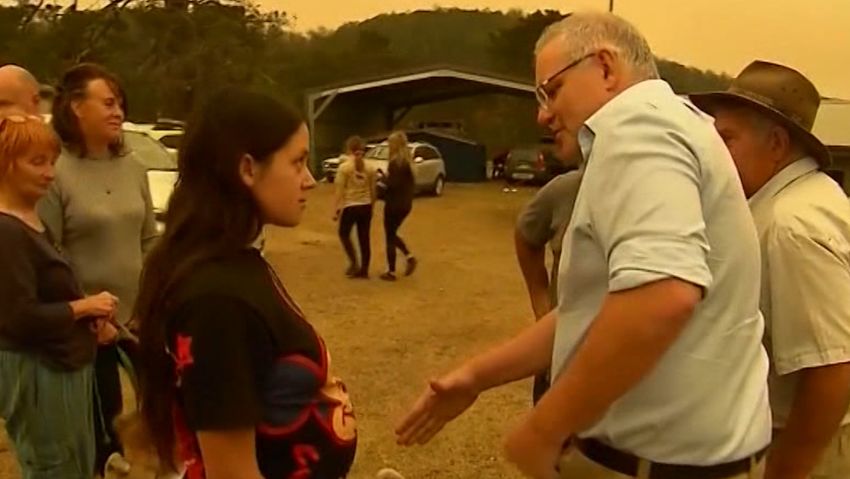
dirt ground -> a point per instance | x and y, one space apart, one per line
388 338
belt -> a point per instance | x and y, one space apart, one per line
628 464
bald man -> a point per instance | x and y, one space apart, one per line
18 89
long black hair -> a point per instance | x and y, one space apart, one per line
211 214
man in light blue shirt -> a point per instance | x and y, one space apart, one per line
655 346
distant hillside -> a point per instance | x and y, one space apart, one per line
171 59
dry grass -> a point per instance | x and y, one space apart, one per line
386 339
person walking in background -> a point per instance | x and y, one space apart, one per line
803 218
355 200
233 376
99 211
399 189
48 328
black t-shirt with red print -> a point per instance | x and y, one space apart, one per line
245 357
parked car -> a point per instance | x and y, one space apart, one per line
161 166
168 132
535 164
429 169
330 165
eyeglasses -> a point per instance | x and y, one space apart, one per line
544 99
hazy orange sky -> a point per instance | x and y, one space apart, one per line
724 35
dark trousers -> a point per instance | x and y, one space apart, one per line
393 218
107 404
361 216
108 399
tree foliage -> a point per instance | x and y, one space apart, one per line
170 57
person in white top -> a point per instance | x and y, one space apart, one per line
355 200
803 220
656 344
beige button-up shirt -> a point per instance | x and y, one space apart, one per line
803 220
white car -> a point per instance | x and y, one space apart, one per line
429 169
169 133
161 166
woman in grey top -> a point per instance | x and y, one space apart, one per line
99 211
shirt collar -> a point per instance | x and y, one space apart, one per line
785 177
646 89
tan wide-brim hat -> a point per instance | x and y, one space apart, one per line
781 93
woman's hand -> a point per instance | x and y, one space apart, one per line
101 305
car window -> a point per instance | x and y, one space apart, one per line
429 153
149 152
172 141
381 152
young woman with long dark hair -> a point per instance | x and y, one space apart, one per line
233 377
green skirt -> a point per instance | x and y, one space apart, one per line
48 417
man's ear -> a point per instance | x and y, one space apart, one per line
780 142
611 69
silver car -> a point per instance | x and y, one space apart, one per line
161 166
429 169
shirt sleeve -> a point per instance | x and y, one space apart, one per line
810 300
223 352
645 204
24 316
535 221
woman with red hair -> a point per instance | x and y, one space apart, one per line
48 329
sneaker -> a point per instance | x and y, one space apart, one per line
388 276
411 266
117 463
352 271
389 474
360 275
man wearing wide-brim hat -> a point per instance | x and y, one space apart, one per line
803 220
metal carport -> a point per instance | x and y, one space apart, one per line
374 106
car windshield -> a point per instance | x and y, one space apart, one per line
150 152
381 152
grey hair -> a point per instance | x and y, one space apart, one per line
583 33
763 124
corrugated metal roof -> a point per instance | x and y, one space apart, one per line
435 71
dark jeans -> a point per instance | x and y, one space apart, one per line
361 216
108 399
393 218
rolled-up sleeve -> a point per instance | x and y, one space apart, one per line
810 298
646 207
535 221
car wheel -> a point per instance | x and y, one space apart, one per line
439 184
